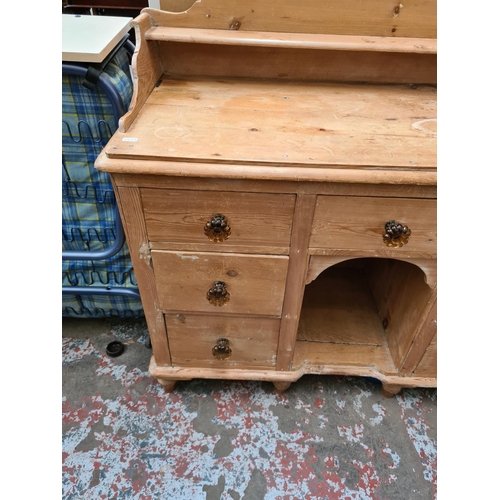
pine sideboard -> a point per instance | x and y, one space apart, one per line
276 176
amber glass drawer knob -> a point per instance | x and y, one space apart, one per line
221 350
218 294
396 234
217 229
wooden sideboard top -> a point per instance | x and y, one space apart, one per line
284 123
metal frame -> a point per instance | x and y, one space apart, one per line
104 82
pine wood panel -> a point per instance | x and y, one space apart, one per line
403 301
339 368
297 271
273 186
184 59
129 203
146 70
227 247
173 5
253 341
422 358
343 17
338 307
287 123
255 219
344 359
256 283
428 364
292 40
318 263
342 222
366 178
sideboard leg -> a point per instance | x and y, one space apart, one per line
168 385
389 390
281 386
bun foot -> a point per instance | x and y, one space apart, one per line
282 386
168 385
389 390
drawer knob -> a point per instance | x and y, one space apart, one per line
221 350
396 234
218 294
217 229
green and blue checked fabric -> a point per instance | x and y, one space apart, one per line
88 201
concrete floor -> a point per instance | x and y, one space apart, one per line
325 438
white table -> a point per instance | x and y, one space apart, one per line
91 38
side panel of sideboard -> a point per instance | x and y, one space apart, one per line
131 211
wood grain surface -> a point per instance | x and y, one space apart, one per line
256 283
344 17
287 123
343 222
256 219
253 341
292 40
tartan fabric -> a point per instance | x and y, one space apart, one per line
88 201
114 271
100 306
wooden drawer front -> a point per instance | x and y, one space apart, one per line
256 283
255 219
350 222
253 341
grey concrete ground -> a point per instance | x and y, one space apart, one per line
325 438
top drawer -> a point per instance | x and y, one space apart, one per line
253 219
358 223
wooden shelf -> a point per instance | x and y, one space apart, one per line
293 40
339 323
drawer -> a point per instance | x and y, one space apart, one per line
254 284
253 219
351 222
238 341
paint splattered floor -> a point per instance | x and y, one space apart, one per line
324 438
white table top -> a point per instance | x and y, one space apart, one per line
88 38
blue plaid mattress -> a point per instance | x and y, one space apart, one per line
88 201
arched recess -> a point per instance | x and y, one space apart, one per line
318 263
372 304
